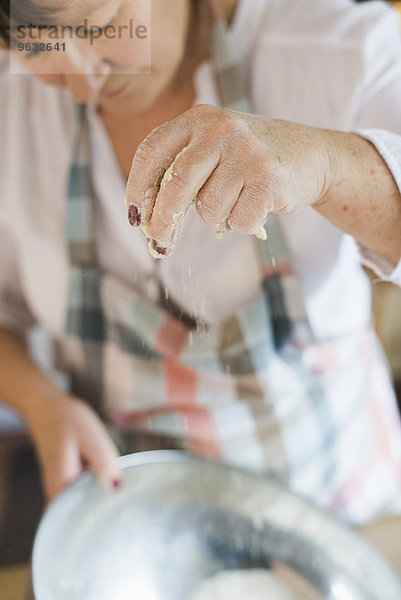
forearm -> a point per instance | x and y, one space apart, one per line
363 199
23 386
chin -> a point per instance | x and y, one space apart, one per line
133 101
130 103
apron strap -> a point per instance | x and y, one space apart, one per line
80 224
280 284
226 70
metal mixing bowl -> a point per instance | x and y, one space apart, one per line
179 520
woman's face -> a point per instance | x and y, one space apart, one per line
120 71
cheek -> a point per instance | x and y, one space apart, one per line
170 24
162 51
129 55
168 55
131 42
162 57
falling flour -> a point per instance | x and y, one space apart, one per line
261 233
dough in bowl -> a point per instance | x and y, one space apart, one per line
256 584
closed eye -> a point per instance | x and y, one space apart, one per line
36 51
102 29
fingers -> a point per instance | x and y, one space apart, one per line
180 185
101 455
219 195
71 439
152 159
250 211
210 154
61 468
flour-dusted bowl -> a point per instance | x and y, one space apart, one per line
179 520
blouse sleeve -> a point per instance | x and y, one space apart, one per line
378 114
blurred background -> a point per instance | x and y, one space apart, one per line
21 500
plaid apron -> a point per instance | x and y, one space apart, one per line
256 390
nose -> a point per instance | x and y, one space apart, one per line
84 71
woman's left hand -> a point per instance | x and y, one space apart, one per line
238 167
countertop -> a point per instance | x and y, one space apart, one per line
385 535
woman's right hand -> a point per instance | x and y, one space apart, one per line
69 437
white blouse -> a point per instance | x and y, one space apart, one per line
318 62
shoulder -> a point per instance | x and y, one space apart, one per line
34 141
340 22
363 33
29 107
310 58
26 99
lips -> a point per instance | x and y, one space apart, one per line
116 91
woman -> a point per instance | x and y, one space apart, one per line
257 352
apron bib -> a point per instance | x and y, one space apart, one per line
257 390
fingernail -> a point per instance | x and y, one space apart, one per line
116 483
158 249
134 215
